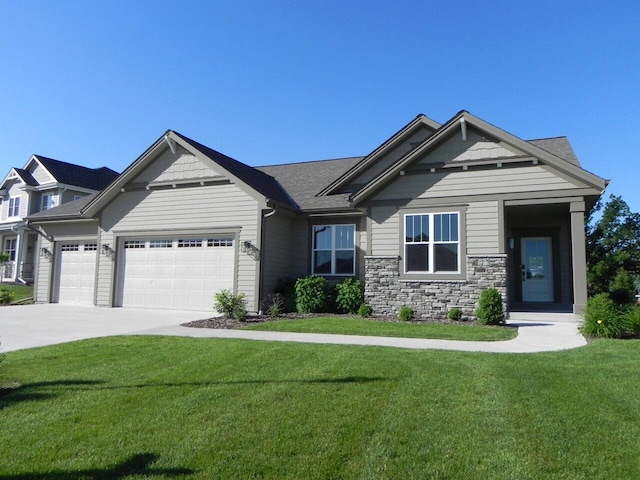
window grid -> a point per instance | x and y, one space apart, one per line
70 247
220 242
189 243
90 247
134 244
432 243
160 243
14 207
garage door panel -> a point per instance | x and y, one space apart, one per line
76 272
174 277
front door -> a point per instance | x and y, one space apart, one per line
536 269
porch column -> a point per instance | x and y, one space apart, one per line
579 257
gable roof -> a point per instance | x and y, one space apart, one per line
465 118
26 177
77 175
256 179
414 125
68 210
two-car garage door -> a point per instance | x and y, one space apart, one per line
174 273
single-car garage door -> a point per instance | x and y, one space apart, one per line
77 272
174 273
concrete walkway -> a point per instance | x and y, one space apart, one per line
47 324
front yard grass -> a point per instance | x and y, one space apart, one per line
358 326
20 292
165 407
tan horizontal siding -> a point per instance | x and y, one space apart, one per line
482 228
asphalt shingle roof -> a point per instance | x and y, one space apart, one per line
26 177
260 181
558 146
70 174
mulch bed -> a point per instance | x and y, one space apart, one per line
231 323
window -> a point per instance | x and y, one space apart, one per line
78 197
220 242
70 247
90 247
10 248
47 202
334 249
134 244
14 207
189 243
432 243
160 243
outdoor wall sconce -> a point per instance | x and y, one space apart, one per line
250 249
512 243
46 253
108 251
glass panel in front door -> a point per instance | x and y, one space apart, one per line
536 269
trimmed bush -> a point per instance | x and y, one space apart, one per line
602 318
365 310
623 288
230 305
6 296
349 295
454 314
406 314
312 294
490 310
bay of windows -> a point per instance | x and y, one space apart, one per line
432 243
334 250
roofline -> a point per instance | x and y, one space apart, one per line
491 130
420 119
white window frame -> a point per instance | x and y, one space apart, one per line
431 242
14 207
50 204
10 247
333 250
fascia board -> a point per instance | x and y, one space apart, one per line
495 132
10 176
366 161
106 195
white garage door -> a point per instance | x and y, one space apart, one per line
174 273
77 272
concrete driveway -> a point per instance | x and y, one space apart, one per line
47 324
28 326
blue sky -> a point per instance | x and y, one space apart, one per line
96 83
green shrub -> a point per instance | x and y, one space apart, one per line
312 294
4 257
454 314
6 296
286 288
273 305
231 305
603 319
623 288
365 310
349 295
406 314
490 310
633 321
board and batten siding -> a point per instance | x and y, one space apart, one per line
197 208
534 178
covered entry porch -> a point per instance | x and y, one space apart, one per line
546 259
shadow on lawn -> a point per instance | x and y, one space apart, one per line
139 464
10 395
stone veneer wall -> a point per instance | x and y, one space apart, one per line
386 293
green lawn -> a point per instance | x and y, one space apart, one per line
163 407
358 326
20 292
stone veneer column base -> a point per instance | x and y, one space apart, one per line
385 292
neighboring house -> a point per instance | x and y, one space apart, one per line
428 219
42 184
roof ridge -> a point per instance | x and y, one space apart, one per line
311 161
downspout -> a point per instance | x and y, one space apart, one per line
262 252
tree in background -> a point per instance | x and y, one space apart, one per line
613 244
